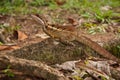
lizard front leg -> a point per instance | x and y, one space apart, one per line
67 40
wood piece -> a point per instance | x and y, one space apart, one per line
30 67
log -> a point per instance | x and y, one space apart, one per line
30 67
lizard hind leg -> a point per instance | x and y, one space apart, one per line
67 40
68 43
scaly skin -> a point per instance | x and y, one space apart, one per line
97 48
68 36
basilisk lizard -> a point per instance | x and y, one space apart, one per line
65 35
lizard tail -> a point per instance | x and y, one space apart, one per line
96 47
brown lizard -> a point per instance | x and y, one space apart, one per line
65 35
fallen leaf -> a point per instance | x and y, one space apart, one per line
60 2
12 21
67 27
72 21
106 8
8 47
43 36
20 35
14 47
3 47
99 68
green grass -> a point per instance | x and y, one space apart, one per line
8 72
85 8
92 8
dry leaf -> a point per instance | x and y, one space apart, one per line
8 47
20 35
15 47
67 27
72 21
97 68
60 2
43 36
3 47
106 8
12 21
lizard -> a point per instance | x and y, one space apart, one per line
66 35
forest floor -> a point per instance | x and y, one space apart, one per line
99 21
